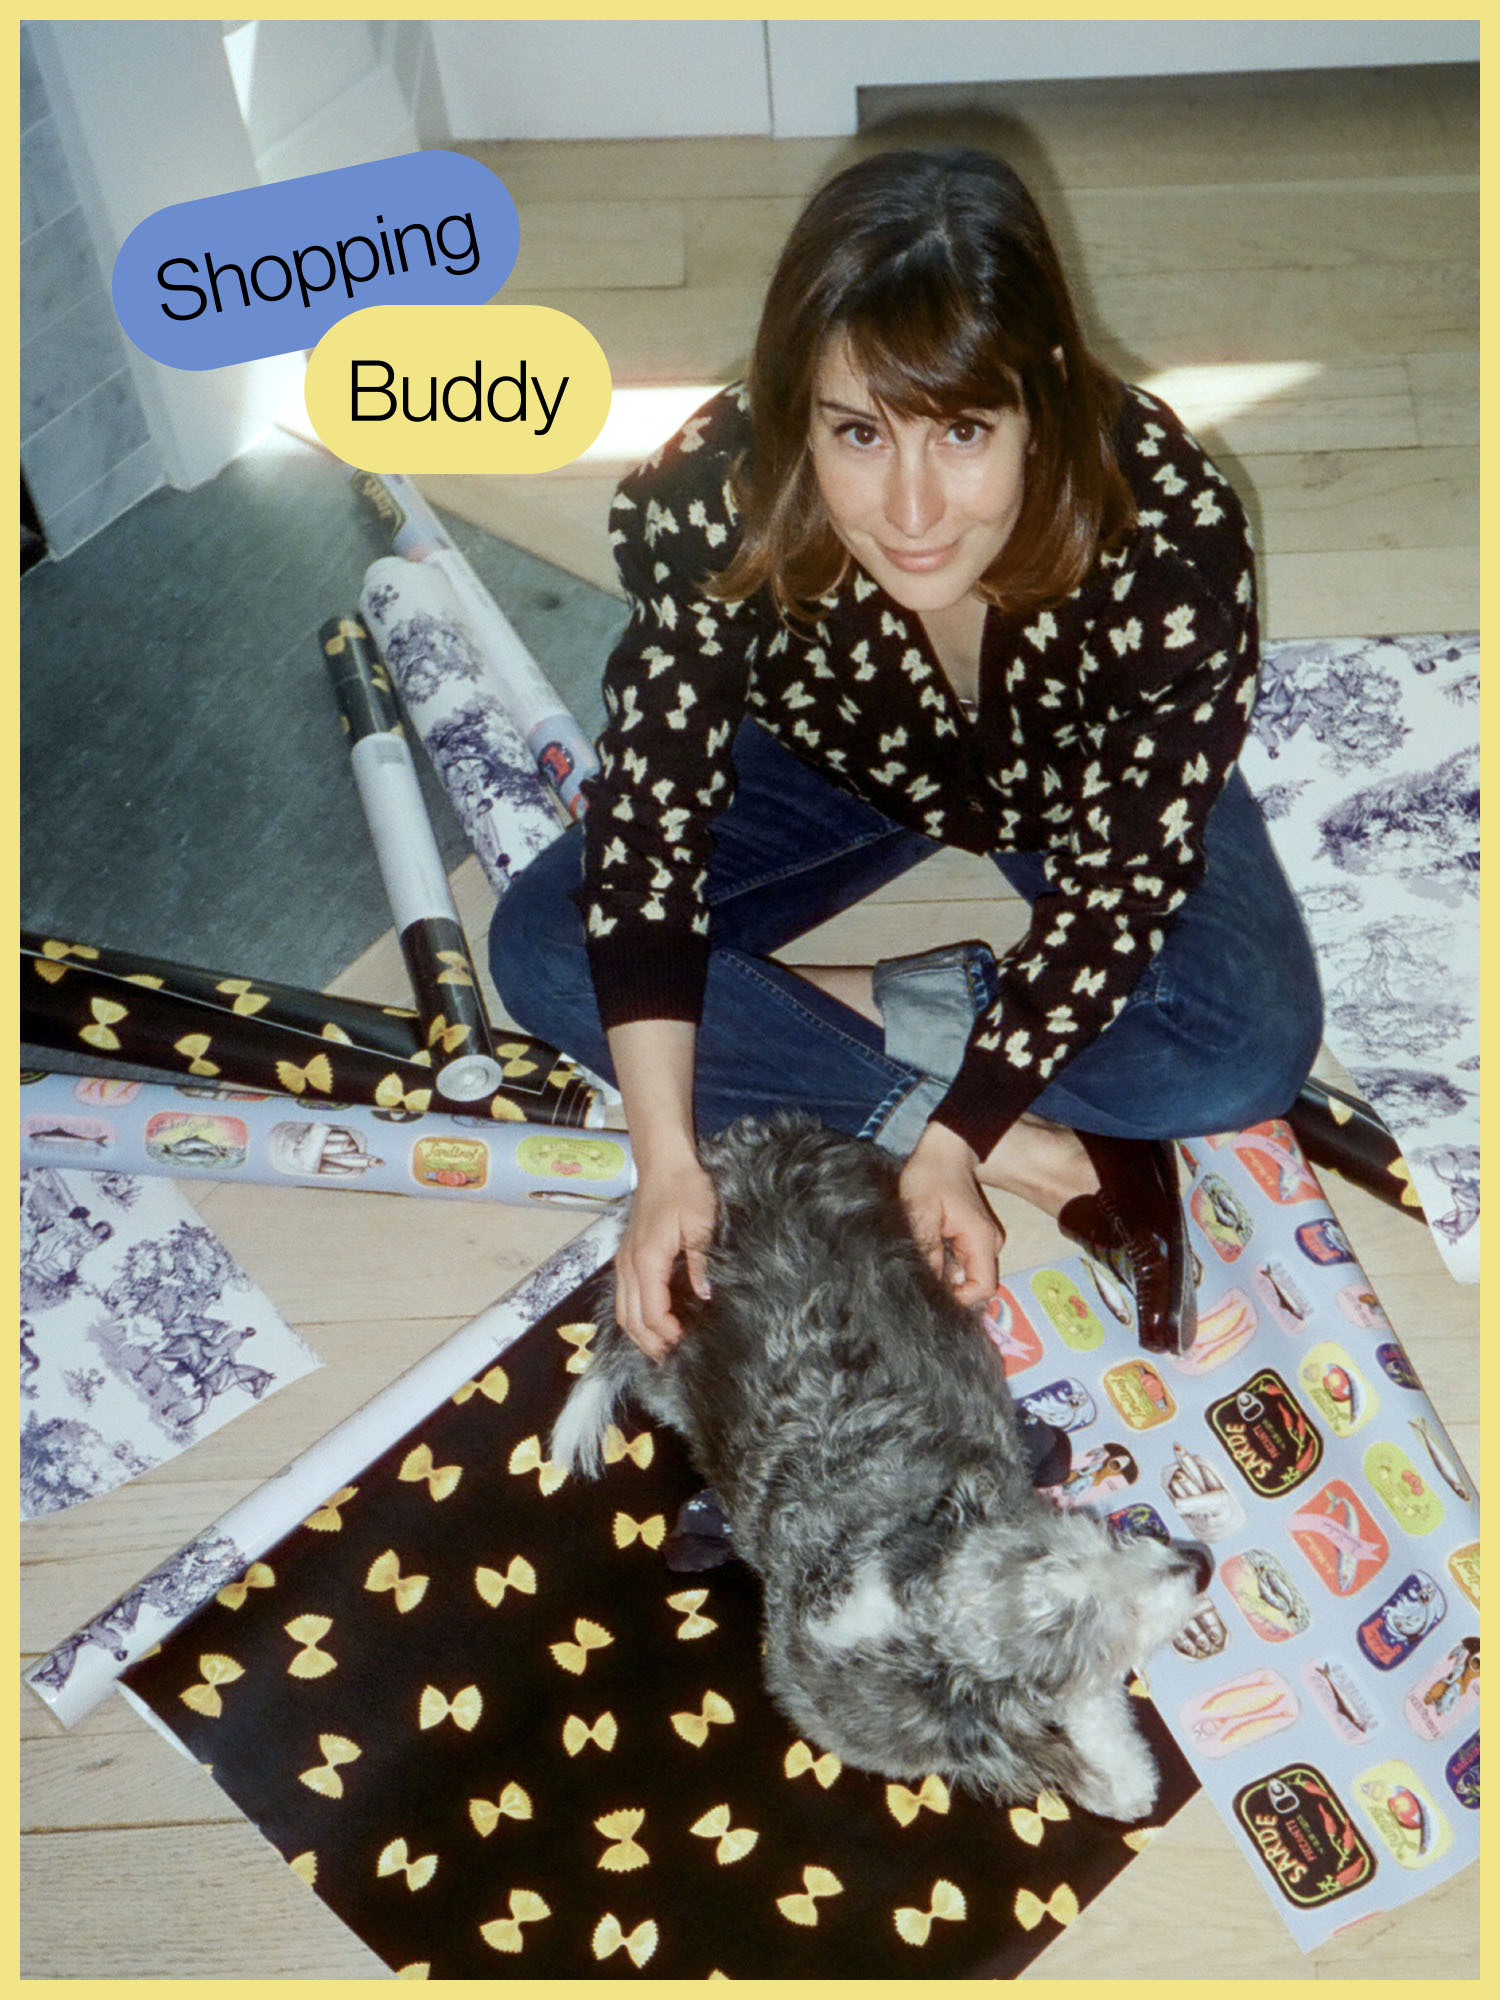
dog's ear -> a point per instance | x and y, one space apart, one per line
1068 1629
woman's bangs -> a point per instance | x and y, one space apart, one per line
927 353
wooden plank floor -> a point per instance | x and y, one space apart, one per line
1309 245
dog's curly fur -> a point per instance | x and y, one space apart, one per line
925 1609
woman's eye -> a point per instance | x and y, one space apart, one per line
967 430
860 434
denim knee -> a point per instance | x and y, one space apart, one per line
538 955
1239 1071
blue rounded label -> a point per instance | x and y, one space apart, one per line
267 270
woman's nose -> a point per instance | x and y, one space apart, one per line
914 497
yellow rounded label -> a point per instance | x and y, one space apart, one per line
458 388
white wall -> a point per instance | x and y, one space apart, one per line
150 118
602 79
817 66
661 79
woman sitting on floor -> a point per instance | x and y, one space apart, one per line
932 576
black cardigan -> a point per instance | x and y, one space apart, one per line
1106 728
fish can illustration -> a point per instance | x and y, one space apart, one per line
1068 1310
1222 1216
1340 1538
1396 1628
1006 1323
1284 1298
1463 1567
69 1135
106 1090
1204 1636
1139 1394
1097 1473
1461 1773
1270 1602
1140 1522
1223 1329
197 1141
1323 1242
450 1163
1196 1489
298 1147
1361 1308
1238 1712
567 1156
1304 1835
1444 1459
1271 1441
1268 1153
1403 1813
1065 1404
1395 1363
1397 1482
1349 1711
1445 1696
1336 1388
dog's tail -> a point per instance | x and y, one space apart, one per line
578 1436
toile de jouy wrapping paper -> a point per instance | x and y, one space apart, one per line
139 1333
1364 755
1327 1691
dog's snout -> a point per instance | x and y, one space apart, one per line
1200 1558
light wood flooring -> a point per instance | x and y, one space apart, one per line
1323 221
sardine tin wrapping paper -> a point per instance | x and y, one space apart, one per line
220 1133
1327 1694
77 1675
140 1333
1364 756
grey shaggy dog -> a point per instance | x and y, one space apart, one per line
926 1611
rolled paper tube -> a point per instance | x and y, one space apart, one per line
77 1008
116 1125
400 510
543 1084
564 755
416 884
1339 1131
481 759
78 1674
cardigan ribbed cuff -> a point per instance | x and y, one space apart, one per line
659 982
983 1101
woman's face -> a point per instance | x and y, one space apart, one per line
923 504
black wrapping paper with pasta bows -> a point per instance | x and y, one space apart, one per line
91 1000
472 1707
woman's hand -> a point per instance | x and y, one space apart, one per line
950 1218
672 1215
674 1206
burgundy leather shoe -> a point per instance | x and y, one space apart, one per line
1135 1223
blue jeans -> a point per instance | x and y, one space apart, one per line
1220 1031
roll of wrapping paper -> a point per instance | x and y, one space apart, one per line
564 755
1339 1131
506 809
415 531
438 964
76 1676
118 1125
82 999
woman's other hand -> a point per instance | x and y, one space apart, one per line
672 1214
953 1223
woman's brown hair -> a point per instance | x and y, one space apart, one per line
939 272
